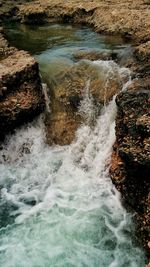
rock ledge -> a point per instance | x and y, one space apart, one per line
21 95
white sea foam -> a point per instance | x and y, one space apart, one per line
66 210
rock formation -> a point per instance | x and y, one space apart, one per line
131 19
21 96
101 81
130 167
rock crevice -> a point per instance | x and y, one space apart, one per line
130 167
131 19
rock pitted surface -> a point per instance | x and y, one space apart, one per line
130 168
5 49
21 96
99 81
130 160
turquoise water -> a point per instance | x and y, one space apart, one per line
54 45
58 205
40 39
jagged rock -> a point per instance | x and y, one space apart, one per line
32 13
5 49
130 168
132 20
143 125
142 52
21 96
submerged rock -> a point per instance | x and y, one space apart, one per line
100 80
130 161
21 96
95 55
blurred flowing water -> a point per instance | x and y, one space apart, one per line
58 206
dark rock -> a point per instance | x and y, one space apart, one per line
74 101
130 170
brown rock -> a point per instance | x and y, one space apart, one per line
95 55
71 88
61 127
142 52
32 13
5 49
132 149
21 96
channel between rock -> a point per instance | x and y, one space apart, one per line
21 96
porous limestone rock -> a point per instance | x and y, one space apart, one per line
21 95
130 168
99 81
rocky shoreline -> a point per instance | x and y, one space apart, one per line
131 156
21 95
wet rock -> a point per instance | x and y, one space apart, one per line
21 96
131 19
61 126
101 85
131 156
95 55
101 81
124 57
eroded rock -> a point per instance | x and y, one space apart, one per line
5 49
32 13
142 52
21 96
132 20
101 79
131 156
95 55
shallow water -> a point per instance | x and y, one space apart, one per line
55 44
58 205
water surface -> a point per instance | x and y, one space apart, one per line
55 44
58 205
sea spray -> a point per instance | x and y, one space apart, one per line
58 207
65 210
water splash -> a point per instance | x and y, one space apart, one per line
63 207
87 109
